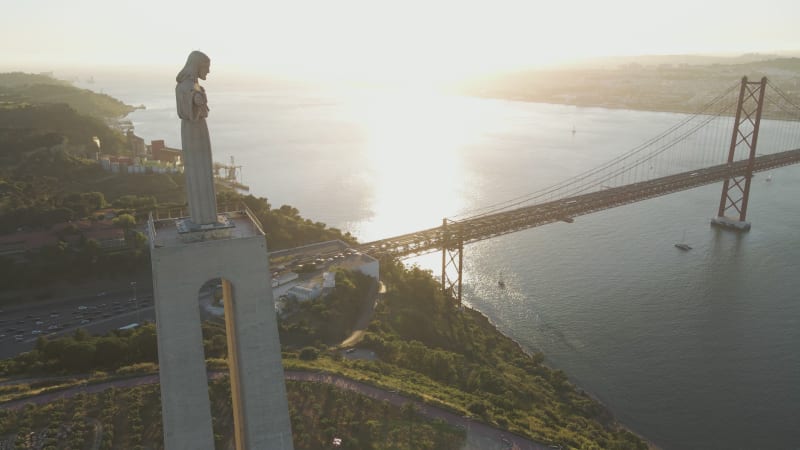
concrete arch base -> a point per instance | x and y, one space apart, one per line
180 267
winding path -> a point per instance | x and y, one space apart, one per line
479 435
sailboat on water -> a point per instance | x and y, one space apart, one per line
682 244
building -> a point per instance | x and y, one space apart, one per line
326 256
160 152
328 280
303 293
136 144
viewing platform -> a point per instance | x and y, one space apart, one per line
172 232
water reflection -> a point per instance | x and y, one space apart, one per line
412 154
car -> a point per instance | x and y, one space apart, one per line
36 332
39 322
85 321
350 350
83 308
102 293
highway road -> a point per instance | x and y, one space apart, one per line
98 312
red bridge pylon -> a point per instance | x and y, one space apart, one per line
736 188
452 260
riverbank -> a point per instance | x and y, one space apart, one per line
532 354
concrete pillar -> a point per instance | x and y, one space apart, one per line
180 268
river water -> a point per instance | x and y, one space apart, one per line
692 350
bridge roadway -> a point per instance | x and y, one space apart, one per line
564 209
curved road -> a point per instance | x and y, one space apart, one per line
479 435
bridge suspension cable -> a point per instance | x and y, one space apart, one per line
786 99
615 167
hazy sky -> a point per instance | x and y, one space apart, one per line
375 39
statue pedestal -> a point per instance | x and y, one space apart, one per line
184 259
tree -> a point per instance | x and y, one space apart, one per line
308 353
124 221
409 412
78 356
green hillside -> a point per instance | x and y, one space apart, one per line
18 87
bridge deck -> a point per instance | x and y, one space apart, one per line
491 225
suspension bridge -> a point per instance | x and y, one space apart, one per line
725 141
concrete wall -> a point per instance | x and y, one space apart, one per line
371 268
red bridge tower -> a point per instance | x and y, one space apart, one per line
736 188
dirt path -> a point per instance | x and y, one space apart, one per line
479 436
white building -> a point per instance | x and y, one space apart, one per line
328 280
303 293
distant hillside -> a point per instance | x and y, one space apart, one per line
21 88
22 79
677 59
637 83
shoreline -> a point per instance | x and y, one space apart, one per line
529 352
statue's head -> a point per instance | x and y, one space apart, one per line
198 65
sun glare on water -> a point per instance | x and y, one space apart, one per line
413 143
